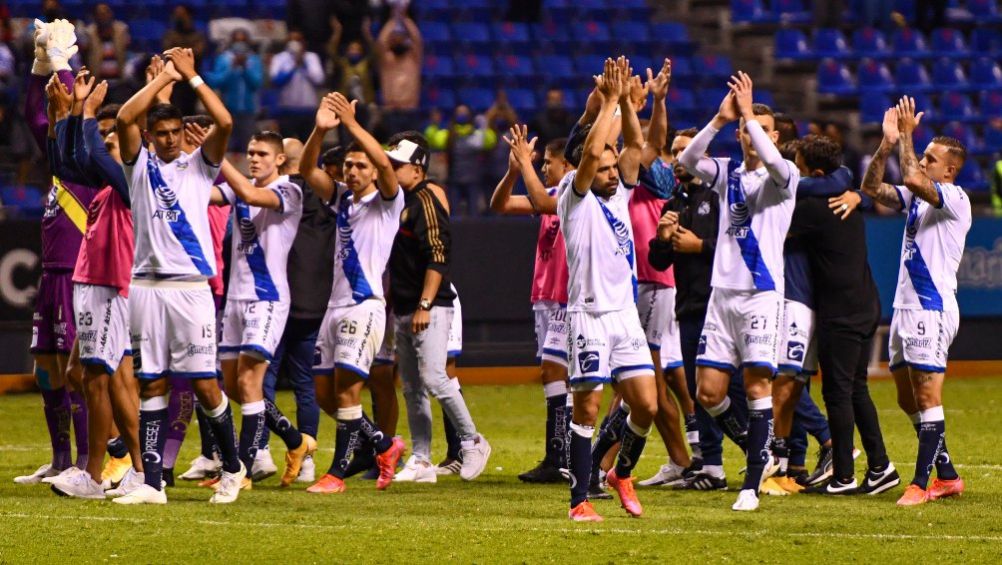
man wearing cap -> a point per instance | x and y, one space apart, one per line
421 294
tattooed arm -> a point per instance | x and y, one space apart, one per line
915 178
873 185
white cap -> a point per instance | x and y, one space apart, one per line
406 151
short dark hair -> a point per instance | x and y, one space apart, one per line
821 152
108 111
789 149
415 137
202 120
162 112
557 146
786 126
687 132
762 110
954 147
272 138
333 157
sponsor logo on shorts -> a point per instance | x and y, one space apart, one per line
794 330
914 342
701 348
758 340
637 343
581 342
588 361
193 350
795 351
87 336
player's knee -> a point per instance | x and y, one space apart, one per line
708 398
444 388
553 373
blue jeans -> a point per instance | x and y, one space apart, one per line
295 353
710 437
807 419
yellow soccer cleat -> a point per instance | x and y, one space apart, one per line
772 487
294 459
789 484
116 468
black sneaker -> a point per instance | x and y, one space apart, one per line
833 487
799 476
364 460
876 483
823 470
543 473
596 492
168 476
701 480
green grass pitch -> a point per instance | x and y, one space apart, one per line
499 520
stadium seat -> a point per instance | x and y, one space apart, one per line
589 65
971 177
986 41
955 106
442 98
872 106
28 200
986 74
473 33
991 104
922 136
750 12
519 68
593 35
985 11
909 43
670 32
870 42
679 99
959 131
993 139
835 78
432 32
911 75
523 100
948 75
681 67
830 43
948 42
478 99
512 32
874 76
476 66
550 33
791 45
791 11
438 68
637 34
713 67
556 67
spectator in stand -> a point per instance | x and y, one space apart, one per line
238 75
353 17
297 73
400 50
466 142
313 19
352 68
108 45
499 117
183 33
16 145
554 121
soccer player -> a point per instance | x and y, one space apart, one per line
549 286
757 198
422 300
926 314
171 311
368 206
607 342
266 213
63 225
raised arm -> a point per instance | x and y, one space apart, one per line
873 185
415 35
917 181
539 200
319 181
503 201
609 87
694 157
633 136
386 180
214 148
130 135
779 169
245 190
657 134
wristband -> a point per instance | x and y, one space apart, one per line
195 82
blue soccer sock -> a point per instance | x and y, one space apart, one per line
117 448
371 432
556 421
609 435
210 449
153 437
727 420
346 439
634 440
782 452
221 420
251 429
759 435
580 462
282 426
944 464
930 444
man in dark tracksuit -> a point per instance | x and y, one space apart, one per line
690 247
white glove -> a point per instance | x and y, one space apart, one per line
41 66
61 44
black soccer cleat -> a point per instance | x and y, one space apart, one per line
544 473
833 487
596 492
701 480
823 470
878 482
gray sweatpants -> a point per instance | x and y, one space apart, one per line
421 359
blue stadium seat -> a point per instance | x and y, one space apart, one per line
476 66
713 66
681 67
750 12
435 32
146 30
972 178
986 74
831 43
949 75
791 45
521 68
985 11
593 35
556 67
907 8
948 42
634 33
791 11
960 131
911 75
589 65
479 99
872 107
679 99
441 98
991 104
870 42
437 68
874 76
922 136
551 33
909 43
474 33
670 32
29 200
993 138
512 32
986 41
955 106
523 100
835 78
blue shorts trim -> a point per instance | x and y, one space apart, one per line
769 366
788 369
926 368
127 353
193 375
353 369
95 362
555 353
152 376
383 362
257 349
653 347
600 380
454 353
716 365
897 366
228 348
671 366
323 371
618 370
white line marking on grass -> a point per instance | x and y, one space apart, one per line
582 530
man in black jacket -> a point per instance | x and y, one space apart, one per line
686 240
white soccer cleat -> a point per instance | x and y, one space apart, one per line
307 471
43 472
229 486
747 501
416 471
476 452
670 474
263 465
78 485
202 468
143 494
771 467
66 474
130 482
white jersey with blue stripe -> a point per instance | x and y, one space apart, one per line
755 214
261 241
365 232
931 249
170 216
601 256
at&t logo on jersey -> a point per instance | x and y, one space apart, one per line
166 201
248 235
739 220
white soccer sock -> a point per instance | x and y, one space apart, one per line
252 408
554 389
715 471
934 414
583 431
349 413
221 409
719 408
764 403
642 432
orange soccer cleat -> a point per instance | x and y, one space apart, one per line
941 488
584 512
328 484
913 496
627 496
387 463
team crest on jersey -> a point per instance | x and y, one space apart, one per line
795 351
51 205
588 361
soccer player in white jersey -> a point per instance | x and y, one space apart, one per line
368 206
266 214
171 311
743 320
926 315
606 341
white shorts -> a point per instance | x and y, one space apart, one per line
742 329
172 326
798 351
252 327
921 339
350 336
606 346
671 346
387 354
551 334
102 317
456 328
656 307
